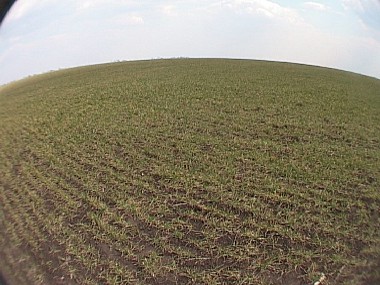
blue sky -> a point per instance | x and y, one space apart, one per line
42 35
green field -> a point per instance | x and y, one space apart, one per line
190 171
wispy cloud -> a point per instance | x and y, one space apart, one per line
47 34
367 10
353 4
127 19
316 6
265 8
169 10
89 4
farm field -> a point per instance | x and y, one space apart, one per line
190 171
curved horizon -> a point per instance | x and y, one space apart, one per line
40 36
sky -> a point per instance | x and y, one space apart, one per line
43 35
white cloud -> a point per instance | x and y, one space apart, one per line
368 13
126 20
353 4
89 4
361 6
71 33
316 6
264 12
264 8
135 20
169 10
